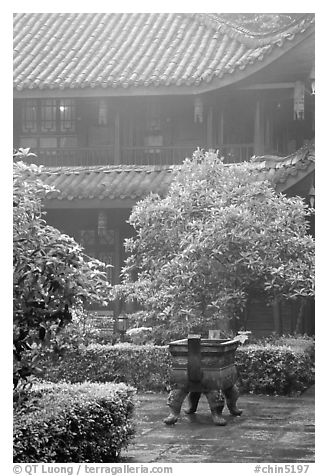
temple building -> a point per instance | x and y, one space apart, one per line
112 103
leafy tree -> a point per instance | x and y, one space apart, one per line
218 237
52 275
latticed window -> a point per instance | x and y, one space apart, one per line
67 115
29 116
48 115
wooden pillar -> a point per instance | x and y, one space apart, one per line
209 128
221 132
268 136
117 266
117 145
117 255
277 316
83 107
258 128
16 122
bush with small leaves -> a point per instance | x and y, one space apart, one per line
52 275
263 368
220 236
145 367
274 369
65 423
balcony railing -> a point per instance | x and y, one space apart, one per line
232 153
74 156
155 155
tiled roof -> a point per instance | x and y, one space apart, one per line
89 50
107 182
135 182
285 172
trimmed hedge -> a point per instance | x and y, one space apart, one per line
268 368
145 367
274 370
74 423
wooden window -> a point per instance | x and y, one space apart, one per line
29 116
102 113
67 115
48 115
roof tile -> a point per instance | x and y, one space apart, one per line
135 182
78 50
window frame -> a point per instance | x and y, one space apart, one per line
58 131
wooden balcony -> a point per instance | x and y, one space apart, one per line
80 156
232 153
155 155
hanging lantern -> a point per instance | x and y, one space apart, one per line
102 113
312 80
299 91
102 223
313 86
311 195
198 109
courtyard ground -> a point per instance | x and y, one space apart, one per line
271 429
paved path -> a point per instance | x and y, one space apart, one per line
271 429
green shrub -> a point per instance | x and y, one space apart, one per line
217 235
145 367
299 343
73 423
273 369
266 368
52 275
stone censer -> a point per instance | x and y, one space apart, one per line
203 366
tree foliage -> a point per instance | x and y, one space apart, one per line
52 276
218 237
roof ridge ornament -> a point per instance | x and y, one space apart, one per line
253 38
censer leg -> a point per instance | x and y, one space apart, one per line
174 401
216 403
193 399
231 394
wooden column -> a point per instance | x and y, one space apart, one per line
117 255
267 135
221 125
258 128
116 274
82 131
117 138
16 122
209 128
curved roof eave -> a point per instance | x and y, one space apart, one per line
215 83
